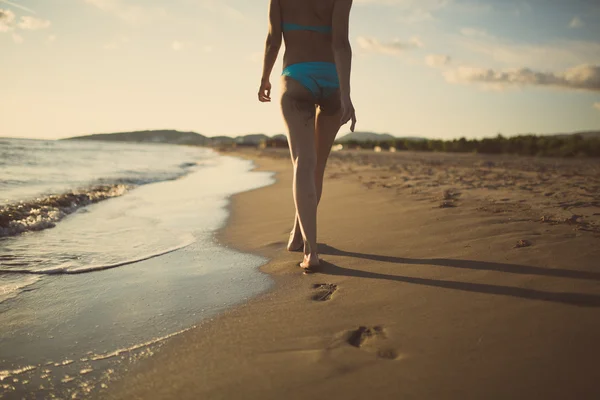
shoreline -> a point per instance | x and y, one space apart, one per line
350 325
68 334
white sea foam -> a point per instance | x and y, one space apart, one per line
10 287
71 269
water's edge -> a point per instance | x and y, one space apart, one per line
145 349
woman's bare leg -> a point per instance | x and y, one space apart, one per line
298 108
327 125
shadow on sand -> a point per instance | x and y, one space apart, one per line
577 299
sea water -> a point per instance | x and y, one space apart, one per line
106 248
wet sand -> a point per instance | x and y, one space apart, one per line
444 277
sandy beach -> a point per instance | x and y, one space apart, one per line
443 277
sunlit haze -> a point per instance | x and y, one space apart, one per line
432 68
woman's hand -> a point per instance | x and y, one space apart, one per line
348 112
264 93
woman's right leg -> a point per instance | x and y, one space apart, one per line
326 128
298 108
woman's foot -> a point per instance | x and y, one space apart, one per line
310 261
296 243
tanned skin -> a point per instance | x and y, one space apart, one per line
312 123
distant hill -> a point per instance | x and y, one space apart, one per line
158 136
279 137
365 136
251 139
176 137
584 134
217 140
372 136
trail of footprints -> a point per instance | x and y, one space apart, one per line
363 336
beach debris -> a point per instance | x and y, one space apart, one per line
388 354
546 218
572 219
325 291
447 204
450 194
523 243
358 337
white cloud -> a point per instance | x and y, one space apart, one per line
393 47
7 18
597 106
176 45
130 13
558 54
51 38
582 77
437 60
576 22
32 23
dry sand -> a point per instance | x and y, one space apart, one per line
444 277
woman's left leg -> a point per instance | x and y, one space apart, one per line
327 125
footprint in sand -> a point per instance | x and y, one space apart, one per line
362 337
324 291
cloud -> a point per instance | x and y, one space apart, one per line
597 106
130 13
555 54
576 22
8 23
32 23
437 60
7 19
582 77
51 38
18 39
394 47
176 45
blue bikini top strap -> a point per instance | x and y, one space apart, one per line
296 27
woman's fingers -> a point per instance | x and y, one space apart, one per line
264 96
347 115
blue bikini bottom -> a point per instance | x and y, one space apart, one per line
320 78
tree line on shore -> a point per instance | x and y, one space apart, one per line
527 145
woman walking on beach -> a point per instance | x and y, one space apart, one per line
315 99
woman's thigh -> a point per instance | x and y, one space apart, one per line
299 111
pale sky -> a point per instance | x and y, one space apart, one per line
432 68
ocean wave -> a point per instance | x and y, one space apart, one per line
10 289
74 270
44 212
